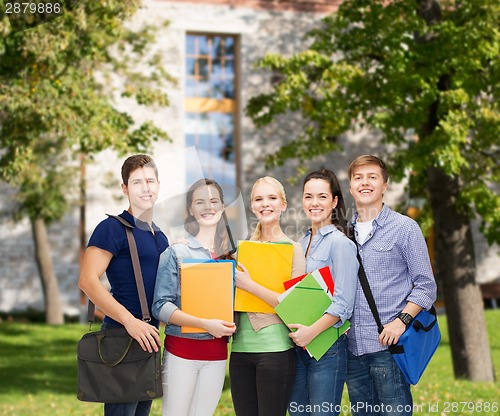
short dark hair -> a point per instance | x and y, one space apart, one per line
135 162
368 160
338 213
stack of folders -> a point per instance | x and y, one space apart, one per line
326 275
207 288
305 302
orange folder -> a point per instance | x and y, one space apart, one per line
207 290
269 264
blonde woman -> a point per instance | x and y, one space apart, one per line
262 362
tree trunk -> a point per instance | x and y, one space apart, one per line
53 309
456 266
455 260
83 236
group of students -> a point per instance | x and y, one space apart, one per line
270 370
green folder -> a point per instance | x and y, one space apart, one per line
305 304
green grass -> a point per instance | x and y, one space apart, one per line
38 375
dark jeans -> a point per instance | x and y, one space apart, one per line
261 382
377 386
128 409
318 385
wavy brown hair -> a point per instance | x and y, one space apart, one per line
223 243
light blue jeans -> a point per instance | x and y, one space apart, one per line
318 385
377 386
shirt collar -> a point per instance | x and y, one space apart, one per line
379 220
383 215
193 242
138 223
327 229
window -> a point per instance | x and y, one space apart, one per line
210 105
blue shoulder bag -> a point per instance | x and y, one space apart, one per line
418 343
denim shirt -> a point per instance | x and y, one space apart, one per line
167 296
332 248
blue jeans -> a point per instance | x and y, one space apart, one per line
318 385
126 409
377 386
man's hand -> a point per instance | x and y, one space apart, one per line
146 335
391 333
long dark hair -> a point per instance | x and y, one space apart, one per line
223 243
339 212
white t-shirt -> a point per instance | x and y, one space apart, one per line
363 229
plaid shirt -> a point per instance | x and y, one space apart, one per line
398 268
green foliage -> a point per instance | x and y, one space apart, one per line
399 68
58 82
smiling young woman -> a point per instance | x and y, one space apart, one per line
325 244
262 361
194 363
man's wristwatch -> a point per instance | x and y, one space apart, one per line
406 318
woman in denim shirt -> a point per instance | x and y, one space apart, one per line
194 364
318 385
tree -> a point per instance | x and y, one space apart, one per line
421 66
56 103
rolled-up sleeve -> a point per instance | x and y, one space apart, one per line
166 293
424 290
345 274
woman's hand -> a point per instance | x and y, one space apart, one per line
219 328
303 335
243 279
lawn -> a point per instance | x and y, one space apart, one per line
38 376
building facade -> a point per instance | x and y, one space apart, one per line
211 47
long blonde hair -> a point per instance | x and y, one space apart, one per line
256 235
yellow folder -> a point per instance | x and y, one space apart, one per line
207 290
269 264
